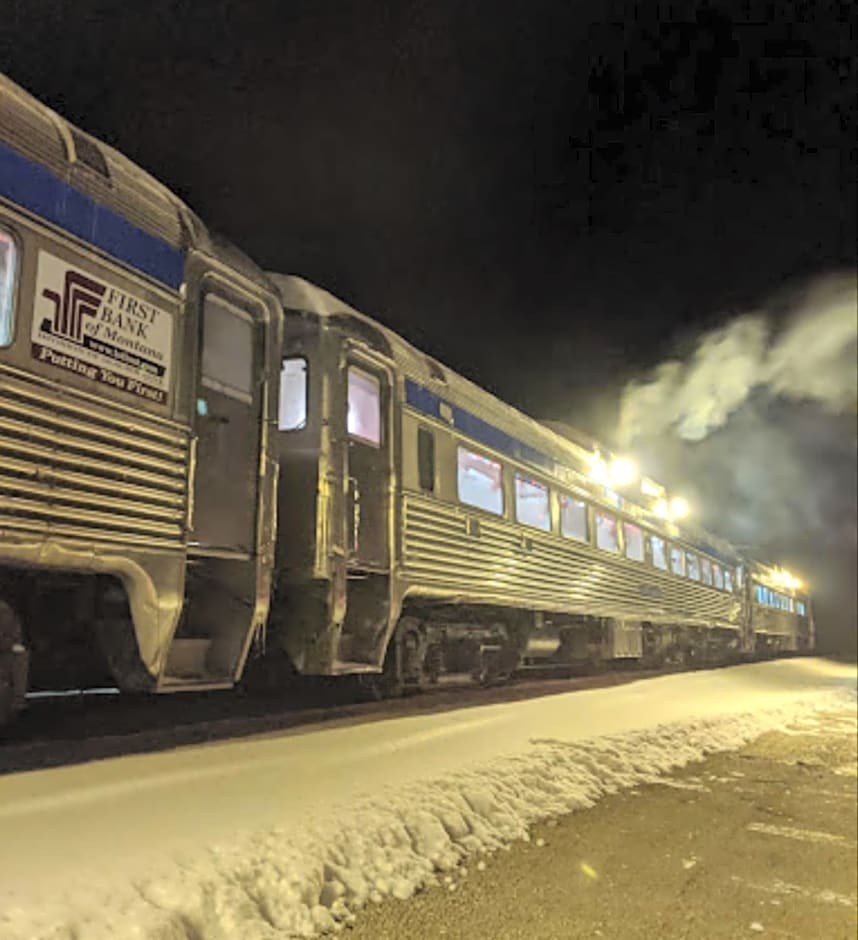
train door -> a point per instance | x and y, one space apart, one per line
368 508
228 406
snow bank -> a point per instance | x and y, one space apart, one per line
312 876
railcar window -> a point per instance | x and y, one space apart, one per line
364 403
607 536
800 609
292 415
677 561
573 518
480 481
717 576
531 503
706 571
728 580
426 459
692 566
659 552
227 363
634 541
8 279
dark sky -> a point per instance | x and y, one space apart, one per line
545 195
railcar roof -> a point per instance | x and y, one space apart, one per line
107 177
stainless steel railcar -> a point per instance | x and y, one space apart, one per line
138 371
434 529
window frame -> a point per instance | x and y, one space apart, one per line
604 513
706 566
231 391
303 425
633 525
665 545
692 558
677 552
587 527
499 464
519 476
425 433
15 242
375 378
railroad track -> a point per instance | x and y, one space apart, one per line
97 725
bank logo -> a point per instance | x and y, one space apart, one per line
101 330
81 298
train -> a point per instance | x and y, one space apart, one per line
205 466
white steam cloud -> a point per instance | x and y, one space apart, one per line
810 357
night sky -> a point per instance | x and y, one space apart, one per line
548 196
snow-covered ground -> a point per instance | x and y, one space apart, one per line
290 834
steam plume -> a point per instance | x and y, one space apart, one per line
810 356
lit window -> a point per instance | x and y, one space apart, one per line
739 576
8 279
800 609
480 481
364 416
717 576
531 504
659 552
606 532
677 560
706 571
728 580
227 363
573 518
293 395
693 566
634 542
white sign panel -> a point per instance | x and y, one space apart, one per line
96 329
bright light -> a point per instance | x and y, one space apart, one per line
679 508
651 488
623 471
662 509
599 470
788 580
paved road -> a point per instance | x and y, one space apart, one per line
761 842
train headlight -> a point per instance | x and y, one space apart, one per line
679 508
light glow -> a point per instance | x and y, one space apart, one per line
662 509
679 508
599 470
623 471
651 488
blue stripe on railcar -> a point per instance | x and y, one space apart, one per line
427 402
36 189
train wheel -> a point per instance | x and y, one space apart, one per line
14 664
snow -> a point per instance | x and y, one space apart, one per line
289 835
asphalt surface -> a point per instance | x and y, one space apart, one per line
759 842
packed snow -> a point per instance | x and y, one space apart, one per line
290 835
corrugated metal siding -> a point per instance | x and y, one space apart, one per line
72 469
552 573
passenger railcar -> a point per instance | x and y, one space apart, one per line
138 387
436 530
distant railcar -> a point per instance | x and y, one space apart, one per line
138 374
434 529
